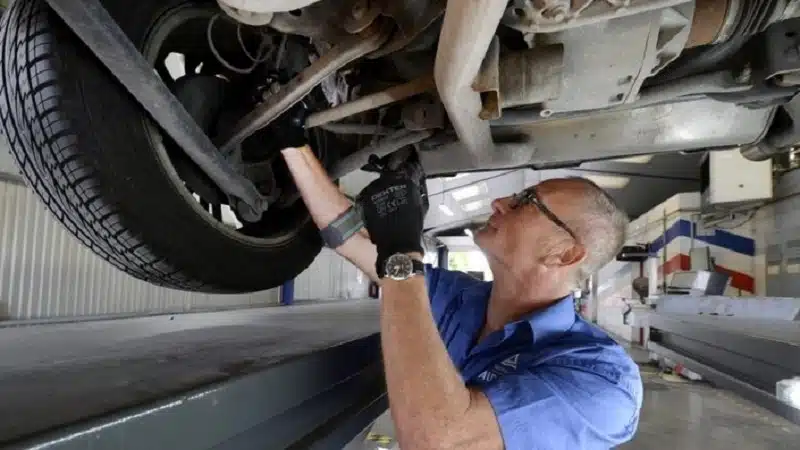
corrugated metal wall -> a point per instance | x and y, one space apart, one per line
46 272
777 232
331 277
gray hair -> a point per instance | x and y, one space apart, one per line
601 227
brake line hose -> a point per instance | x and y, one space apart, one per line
263 53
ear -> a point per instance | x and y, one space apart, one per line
570 256
574 254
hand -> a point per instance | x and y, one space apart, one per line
393 215
412 168
405 163
291 126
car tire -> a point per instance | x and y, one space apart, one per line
80 142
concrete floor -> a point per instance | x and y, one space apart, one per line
66 372
678 414
686 415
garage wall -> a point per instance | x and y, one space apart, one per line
777 231
772 236
45 272
673 231
331 277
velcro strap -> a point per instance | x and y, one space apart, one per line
342 228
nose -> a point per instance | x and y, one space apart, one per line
501 205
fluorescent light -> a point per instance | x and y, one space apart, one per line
456 176
466 192
447 211
472 206
609 181
643 159
468 232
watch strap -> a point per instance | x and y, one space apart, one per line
342 228
419 266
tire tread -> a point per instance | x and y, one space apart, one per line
46 150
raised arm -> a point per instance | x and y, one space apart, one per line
326 203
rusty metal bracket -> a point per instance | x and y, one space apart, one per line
346 51
372 101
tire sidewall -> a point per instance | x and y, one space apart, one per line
155 215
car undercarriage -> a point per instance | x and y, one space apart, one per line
551 83
169 106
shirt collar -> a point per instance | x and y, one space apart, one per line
476 301
555 319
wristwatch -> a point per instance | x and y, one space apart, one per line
401 266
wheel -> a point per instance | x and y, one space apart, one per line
109 176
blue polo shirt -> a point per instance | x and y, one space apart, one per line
554 380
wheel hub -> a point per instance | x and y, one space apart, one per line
217 98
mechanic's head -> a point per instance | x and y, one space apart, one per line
561 230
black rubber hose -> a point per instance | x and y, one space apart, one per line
704 59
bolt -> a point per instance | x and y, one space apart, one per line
556 14
250 214
744 75
792 53
360 8
273 89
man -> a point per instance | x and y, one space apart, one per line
476 365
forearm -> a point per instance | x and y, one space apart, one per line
325 203
426 393
324 200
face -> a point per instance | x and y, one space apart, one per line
527 231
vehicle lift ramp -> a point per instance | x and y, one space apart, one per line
300 377
306 378
744 344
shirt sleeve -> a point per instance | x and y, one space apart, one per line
556 408
436 278
444 287
432 278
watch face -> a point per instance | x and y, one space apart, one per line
399 267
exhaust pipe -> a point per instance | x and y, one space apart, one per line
467 32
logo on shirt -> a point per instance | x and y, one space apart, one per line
507 365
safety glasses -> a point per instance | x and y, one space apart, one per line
530 197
